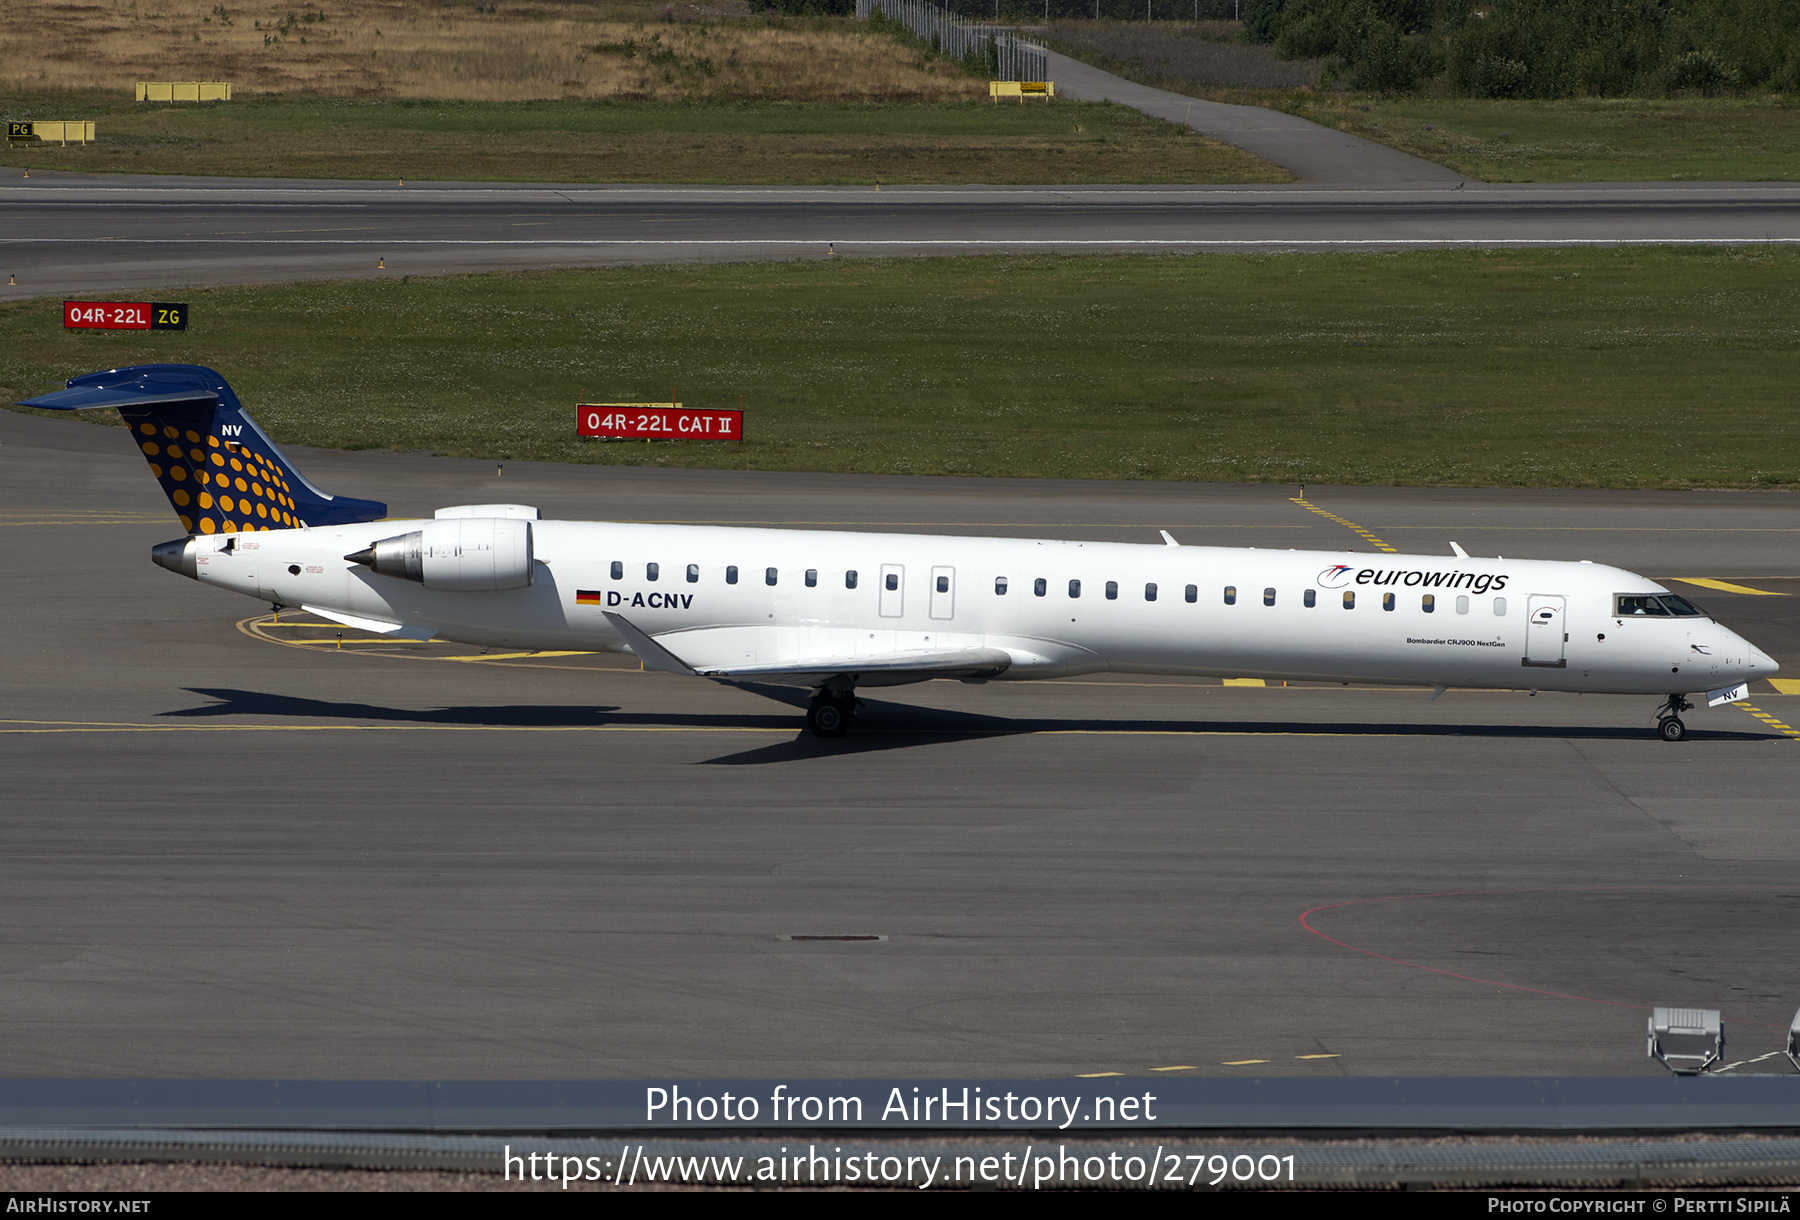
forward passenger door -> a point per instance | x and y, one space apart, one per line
1545 632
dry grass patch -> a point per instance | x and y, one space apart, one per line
387 48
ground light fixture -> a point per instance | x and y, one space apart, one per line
1687 1041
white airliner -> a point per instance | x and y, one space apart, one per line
834 611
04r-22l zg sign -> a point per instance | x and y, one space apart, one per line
124 315
664 421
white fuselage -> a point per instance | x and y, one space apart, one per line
1227 612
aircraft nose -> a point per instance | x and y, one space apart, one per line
1757 663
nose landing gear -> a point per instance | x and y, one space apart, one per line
830 712
1668 718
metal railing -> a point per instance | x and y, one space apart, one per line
1009 57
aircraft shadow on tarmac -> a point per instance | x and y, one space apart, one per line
880 725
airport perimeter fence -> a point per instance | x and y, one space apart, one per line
1007 56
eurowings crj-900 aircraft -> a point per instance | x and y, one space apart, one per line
834 611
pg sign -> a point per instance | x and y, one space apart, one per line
657 421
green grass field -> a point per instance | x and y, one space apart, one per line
1594 368
636 141
1738 139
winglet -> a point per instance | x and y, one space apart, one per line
652 654
1460 553
1168 538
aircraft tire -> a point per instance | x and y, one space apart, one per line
1670 728
827 718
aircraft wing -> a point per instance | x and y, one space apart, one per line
894 669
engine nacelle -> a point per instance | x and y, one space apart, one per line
457 555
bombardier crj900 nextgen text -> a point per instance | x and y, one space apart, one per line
835 611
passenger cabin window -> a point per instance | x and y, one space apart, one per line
1268 597
893 581
652 571
618 569
731 574
1150 592
1040 586
850 579
1310 598
943 584
1428 603
1231 595
1462 605
1387 601
1192 593
1500 607
999 586
1349 599
812 578
1074 588
770 575
693 573
1112 590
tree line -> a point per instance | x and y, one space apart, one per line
1540 48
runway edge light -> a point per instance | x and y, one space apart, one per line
1687 1041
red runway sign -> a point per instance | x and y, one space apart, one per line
665 421
124 315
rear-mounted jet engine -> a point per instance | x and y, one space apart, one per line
460 555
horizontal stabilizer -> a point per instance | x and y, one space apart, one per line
92 397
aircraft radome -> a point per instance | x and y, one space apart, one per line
834 611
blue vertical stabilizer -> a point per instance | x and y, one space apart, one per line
220 471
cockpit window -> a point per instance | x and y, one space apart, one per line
1679 605
1639 605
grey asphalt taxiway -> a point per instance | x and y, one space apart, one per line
79 234
233 848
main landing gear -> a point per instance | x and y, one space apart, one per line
1668 718
830 712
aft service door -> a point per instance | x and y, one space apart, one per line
1545 632
893 590
943 592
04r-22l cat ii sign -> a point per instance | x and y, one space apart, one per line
831 611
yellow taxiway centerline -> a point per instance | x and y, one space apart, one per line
1767 719
1352 526
1724 586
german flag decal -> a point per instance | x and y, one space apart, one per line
587 597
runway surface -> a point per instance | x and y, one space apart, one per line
74 234
230 852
